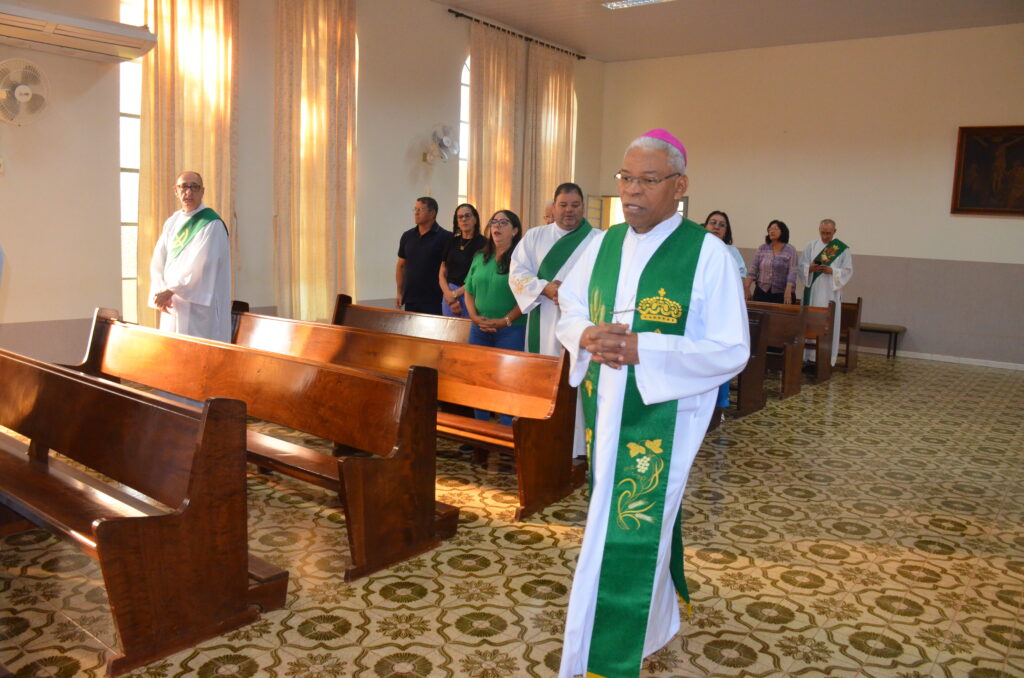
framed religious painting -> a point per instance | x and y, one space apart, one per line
989 176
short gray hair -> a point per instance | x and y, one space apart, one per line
675 158
830 222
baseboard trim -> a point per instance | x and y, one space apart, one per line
946 358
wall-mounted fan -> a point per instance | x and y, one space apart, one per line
23 91
443 145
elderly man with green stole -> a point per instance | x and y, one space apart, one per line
654 320
190 272
825 267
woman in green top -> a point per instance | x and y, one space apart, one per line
497 320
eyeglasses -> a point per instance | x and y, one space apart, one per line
189 187
643 182
421 210
499 222
467 215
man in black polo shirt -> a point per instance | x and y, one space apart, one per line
419 260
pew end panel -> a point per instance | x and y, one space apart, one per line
849 332
785 328
751 395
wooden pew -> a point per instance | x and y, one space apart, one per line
849 332
423 325
750 394
784 330
817 332
176 574
388 497
532 388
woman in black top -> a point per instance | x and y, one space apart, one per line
457 258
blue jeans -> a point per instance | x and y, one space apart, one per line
513 338
446 310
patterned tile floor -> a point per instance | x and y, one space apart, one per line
872 527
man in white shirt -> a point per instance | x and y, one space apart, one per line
825 267
190 272
654 320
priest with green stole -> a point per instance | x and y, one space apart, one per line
654 320
825 267
540 263
190 273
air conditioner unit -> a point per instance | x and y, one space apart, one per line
72 35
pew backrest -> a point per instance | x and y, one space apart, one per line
333 397
101 426
392 321
512 382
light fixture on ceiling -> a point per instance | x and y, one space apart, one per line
623 4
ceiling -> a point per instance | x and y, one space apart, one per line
684 27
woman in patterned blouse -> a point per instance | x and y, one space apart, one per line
772 275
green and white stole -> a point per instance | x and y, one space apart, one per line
190 228
628 564
548 269
825 257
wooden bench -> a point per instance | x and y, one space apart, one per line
534 389
388 496
849 332
893 333
750 394
783 331
170 536
423 325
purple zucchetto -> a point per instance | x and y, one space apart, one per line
666 136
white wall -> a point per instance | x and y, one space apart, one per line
59 193
589 121
863 131
410 62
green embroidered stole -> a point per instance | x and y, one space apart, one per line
549 267
626 582
825 257
190 228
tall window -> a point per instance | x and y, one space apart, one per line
132 12
464 135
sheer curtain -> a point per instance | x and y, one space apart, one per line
522 121
189 93
496 117
550 132
315 88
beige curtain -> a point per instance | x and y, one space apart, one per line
315 84
496 117
549 143
189 90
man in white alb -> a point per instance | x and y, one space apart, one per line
825 267
190 273
540 263
654 320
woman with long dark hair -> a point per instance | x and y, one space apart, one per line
457 258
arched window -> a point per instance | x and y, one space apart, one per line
464 134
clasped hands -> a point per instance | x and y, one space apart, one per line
611 344
489 324
162 300
820 268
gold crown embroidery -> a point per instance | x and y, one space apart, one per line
660 309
